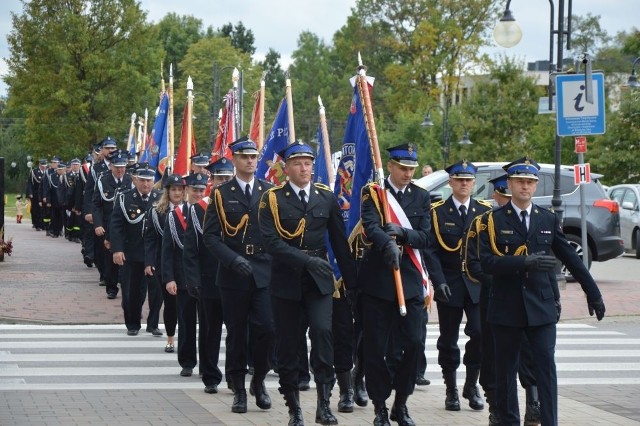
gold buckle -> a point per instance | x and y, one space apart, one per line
249 249
359 252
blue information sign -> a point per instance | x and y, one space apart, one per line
576 116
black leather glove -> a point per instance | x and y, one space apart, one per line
194 291
242 266
597 307
395 230
558 310
320 266
442 293
391 254
539 262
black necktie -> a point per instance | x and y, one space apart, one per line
523 216
303 198
145 198
399 196
463 212
247 192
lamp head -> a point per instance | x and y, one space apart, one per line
507 32
428 122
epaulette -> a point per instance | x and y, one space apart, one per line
322 186
437 204
273 188
485 203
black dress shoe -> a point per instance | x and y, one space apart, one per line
102 283
422 381
112 295
211 389
186 372
88 261
132 332
155 331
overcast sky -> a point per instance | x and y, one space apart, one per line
277 23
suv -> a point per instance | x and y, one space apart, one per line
603 218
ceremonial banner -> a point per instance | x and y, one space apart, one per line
270 164
159 146
225 130
180 165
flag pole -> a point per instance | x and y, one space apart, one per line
170 121
292 131
140 134
326 143
189 122
132 131
260 140
367 109
145 130
235 77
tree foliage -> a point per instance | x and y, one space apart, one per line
274 81
77 70
241 37
177 34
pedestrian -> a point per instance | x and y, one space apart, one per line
34 193
518 250
232 233
20 208
127 243
108 186
173 274
382 322
455 294
172 198
201 268
427 170
295 219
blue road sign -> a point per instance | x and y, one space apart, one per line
577 117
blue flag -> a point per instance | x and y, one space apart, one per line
356 164
158 154
320 173
270 166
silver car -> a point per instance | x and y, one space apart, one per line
628 196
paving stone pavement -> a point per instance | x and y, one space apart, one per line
45 282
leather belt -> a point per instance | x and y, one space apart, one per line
321 252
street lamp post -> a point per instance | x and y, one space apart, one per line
211 116
446 130
507 34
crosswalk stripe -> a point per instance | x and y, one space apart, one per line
104 357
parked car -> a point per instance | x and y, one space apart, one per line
628 196
603 218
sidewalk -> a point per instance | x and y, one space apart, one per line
45 281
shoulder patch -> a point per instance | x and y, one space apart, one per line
437 204
322 186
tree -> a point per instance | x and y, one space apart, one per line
616 153
197 64
177 33
587 36
502 117
274 81
78 69
241 37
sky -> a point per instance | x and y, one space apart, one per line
278 23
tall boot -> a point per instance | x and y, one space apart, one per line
490 396
292 401
451 402
345 405
400 412
360 391
239 394
532 413
324 416
259 390
381 414
470 390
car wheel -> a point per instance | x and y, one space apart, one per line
576 243
637 243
